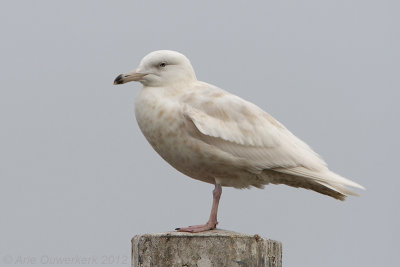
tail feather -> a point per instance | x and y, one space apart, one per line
340 189
324 182
324 176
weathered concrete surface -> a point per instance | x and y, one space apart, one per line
211 248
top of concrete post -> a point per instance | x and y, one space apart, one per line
210 248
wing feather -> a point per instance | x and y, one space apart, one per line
244 130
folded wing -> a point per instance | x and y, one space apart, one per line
244 130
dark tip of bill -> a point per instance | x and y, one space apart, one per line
177 229
119 79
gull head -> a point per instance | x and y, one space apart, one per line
160 68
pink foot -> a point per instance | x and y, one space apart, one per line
198 228
212 222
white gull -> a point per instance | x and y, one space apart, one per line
219 138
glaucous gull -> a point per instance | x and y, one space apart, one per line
219 138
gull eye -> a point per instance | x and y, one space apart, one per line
162 65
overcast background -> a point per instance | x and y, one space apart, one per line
78 179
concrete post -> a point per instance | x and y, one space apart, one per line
211 248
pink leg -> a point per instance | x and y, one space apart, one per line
212 222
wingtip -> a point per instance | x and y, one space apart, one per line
356 185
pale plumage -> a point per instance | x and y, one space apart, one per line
216 137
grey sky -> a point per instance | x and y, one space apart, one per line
78 178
